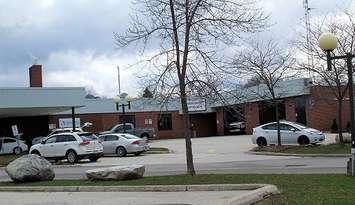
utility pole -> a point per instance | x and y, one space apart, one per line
310 62
119 80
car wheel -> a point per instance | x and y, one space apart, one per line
72 157
36 152
93 159
303 140
121 151
261 141
138 153
17 150
145 136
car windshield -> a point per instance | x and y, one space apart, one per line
127 136
88 136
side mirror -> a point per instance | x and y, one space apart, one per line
293 129
42 142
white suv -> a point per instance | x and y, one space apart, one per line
70 146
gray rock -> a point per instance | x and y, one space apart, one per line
29 168
116 173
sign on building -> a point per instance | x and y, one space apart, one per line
68 122
196 105
14 130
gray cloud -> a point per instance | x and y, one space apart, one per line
73 39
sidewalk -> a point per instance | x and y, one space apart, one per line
114 198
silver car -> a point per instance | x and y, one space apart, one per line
123 144
10 145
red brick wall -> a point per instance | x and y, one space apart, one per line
322 108
35 72
251 116
104 121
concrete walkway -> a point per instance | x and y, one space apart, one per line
114 198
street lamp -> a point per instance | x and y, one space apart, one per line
123 102
328 42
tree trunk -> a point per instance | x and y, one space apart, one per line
340 121
278 123
187 131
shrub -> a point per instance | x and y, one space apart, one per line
334 127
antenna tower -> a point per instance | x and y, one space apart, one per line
310 62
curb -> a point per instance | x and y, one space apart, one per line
257 194
148 188
254 197
298 155
157 152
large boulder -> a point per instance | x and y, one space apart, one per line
116 173
29 168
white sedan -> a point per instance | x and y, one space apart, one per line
9 145
291 133
123 144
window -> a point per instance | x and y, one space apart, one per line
119 128
111 138
70 138
65 138
287 127
128 136
164 122
51 140
272 126
7 140
88 136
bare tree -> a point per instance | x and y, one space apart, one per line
268 63
192 35
336 80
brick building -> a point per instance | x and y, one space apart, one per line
36 110
300 101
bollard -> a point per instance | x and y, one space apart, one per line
348 167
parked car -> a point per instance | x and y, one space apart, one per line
123 144
37 140
10 145
236 127
145 133
72 146
291 133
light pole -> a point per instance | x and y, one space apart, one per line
328 42
124 102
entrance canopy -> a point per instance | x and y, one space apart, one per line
21 102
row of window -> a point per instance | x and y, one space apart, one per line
164 122
273 126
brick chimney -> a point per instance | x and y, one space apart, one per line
35 76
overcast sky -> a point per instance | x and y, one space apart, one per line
73 39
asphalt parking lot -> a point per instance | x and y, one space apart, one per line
205 150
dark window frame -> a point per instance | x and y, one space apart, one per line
165 121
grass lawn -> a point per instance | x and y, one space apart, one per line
6 159
318 149
296 189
